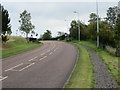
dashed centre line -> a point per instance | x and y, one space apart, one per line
33 58
26 67
13 67
2 78
50 53
55 49
42 53
43 58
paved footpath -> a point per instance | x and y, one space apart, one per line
102 76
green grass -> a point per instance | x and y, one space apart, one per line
83 75
111 61
16 45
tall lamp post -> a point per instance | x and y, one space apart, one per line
67 29
97 24
78 25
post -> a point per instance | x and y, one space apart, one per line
97 24
79 30
67 28
78 26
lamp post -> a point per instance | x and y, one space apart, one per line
16 32
67 29
78 25
97 24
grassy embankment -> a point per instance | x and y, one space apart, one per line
110 60
16 45
83 75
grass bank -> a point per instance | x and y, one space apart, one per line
16 45
82 77
111 61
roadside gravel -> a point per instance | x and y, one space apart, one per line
102 76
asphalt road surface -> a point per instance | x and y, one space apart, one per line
48 66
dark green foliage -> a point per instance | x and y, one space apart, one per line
47 35
74 30
117 36
106 34
4 38
109 29
112 13
6 27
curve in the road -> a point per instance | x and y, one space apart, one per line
46 67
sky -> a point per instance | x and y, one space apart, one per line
54 16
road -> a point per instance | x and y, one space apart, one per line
48 66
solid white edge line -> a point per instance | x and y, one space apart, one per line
3 78
13 67
76 61
26 67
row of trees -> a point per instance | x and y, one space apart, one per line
109 30
25 24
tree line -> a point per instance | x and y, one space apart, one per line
109 29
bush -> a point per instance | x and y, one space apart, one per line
4 38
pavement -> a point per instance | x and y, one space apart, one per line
48 66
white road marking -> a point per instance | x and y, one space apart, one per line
26 67
43 58
13 67
55 49
2 78
42 53
33 58
50 53
48 50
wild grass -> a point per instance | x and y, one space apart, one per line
16 45
110 60
82 77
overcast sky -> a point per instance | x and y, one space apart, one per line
52 15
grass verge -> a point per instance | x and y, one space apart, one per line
82 76
16 45
111 61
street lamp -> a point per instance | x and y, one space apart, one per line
67 28
97 24
16 32
78 25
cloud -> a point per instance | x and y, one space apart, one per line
51 15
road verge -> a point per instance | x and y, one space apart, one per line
83 73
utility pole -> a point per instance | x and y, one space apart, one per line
78 25
97 24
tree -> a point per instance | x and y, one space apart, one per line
92 26
74 30
112 13
47 35
61 35
117 36
25 23
93 18
6 27
106 35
